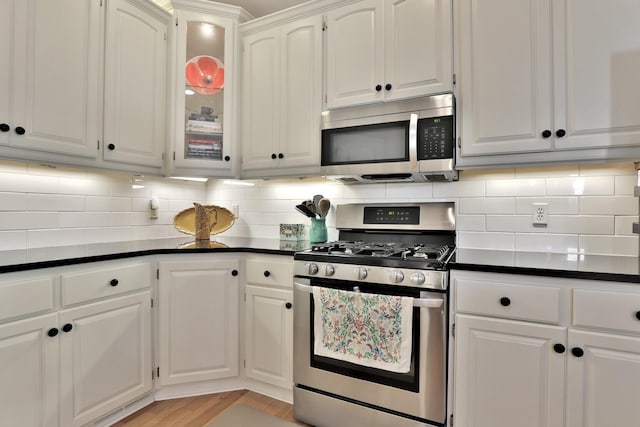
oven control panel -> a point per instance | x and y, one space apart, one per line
432 279
392 215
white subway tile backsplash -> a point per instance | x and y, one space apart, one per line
557 243
623 205
591 208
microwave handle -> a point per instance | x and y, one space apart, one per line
413 141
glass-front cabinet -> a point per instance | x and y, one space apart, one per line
205 75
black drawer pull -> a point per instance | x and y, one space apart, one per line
111 147
67 327
288 306
560 133
273 156
114 282
227 158
559 348
638 315
52 332
280 156
4 127
234 272
378 88
577 352
546 133
20 130
388 86
267 273
505 301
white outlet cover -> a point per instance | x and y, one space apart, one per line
539 212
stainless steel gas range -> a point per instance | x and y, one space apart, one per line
398 250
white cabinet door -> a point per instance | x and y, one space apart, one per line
198 321
418 47
269 335
505 82
29 372
135 83
507 373
596 63
355 54
603 387
282 97
49 75
261 100
105 357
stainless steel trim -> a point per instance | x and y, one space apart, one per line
417 302
413 142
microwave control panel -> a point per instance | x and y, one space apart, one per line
435 138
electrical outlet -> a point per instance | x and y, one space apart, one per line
539 213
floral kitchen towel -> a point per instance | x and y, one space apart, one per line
366 329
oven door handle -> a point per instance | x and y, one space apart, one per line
417 302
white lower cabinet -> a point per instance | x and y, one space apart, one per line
507 371
105 357
268 330
574 361
198 320
76 345
29 372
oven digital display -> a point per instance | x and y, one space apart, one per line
392 215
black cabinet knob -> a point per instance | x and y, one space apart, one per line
378 88
227 158
20 130
388 86
111 147
234 272
280 156
67 327
638 315
267 273
288 306
577 352
4 127
273 156
559 348
52 332
560 133
546 133
114 282
505 301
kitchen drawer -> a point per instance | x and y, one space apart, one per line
606 310
26 297
96 283
270 271
509 300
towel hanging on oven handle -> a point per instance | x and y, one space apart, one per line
417 302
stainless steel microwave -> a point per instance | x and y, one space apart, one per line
411 140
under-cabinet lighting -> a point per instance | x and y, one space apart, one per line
190 178
137 182
237 182
189 92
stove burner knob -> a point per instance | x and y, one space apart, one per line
361 273
312 268
329 270
396 276
417 278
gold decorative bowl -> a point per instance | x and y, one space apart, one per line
185 221
200 244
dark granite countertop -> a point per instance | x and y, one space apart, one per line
568 265
55 256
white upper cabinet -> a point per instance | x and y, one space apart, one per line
49 76
379 50
282 81
204 140
556 80
135 83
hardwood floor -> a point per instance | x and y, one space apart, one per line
199 410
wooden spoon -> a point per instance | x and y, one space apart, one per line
323 206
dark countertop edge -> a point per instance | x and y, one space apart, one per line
96 258
547 272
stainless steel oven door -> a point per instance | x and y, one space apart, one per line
425 400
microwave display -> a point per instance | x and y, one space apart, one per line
435 138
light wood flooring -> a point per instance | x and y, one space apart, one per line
199 410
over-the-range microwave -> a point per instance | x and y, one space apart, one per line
411 140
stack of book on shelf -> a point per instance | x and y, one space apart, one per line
208 123
200 148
